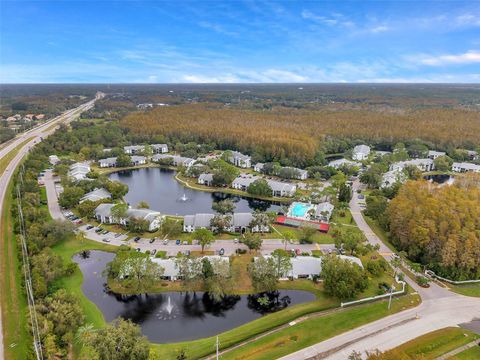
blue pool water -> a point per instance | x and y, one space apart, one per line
299 210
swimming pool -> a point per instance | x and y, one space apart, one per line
299 210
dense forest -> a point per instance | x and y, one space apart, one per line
297 134
439 226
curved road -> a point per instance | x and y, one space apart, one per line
440 308
36 134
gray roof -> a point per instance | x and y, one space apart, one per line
259 165
306 265
362 149
340 162
134 147
95 195
300 171
436 153
245 180
146 214
109 161
206 177
282 186
466 166
177 160
198 220
169 266
159 146
239 155
242 219
104 210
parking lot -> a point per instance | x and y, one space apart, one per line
172 248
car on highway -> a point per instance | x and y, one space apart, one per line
136 239
177 242
105 240
222 251
152 240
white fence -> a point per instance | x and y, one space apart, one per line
430 273
373 298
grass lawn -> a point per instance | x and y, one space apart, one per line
317 329
319 238
17 340
437 343
470 354
382 234
8 157
467 289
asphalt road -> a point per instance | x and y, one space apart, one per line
36 134
439 308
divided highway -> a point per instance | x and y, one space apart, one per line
36 135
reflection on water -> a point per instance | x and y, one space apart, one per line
175 316
163 193
439 178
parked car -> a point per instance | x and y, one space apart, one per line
185 242
105 232
154 251
187 252
152 240
298 252
361 196
99 230
105 240
118 235
222 251
235 241
138 249
136 239
89 227
165 242
178 242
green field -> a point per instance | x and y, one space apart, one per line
470 354
437 343
317 329
467 289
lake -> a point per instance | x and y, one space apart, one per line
440 178
175 316
158 187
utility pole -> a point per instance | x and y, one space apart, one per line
390 300
216 345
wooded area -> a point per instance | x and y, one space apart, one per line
298 133
438 226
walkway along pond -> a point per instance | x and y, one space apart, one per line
159 188
174 316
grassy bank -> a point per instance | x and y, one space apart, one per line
73 282
467 289
16 338
470 354
317 329
437 343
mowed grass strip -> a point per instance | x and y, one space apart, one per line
317 329
437 343
16 338
466 289
470 354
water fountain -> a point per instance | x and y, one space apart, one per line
183 198
168 312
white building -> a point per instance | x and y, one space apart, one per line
79 171
197 221
473 155
435 154
171 271
133 149
138 160
159 148
243 181
53 159
393 177
422 164
302 174
336 164
464 167
205 179
103 215
176 160
282 189
108 162
240 222
258 167
95 195
324 211
240 160
360 152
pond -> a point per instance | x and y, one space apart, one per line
158 187
175 316
440 178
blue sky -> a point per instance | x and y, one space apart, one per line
239 41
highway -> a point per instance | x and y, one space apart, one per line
440 308
36 134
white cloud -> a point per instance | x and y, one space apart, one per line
379 29
468 20
470 57
334 20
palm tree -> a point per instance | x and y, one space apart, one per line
84 332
